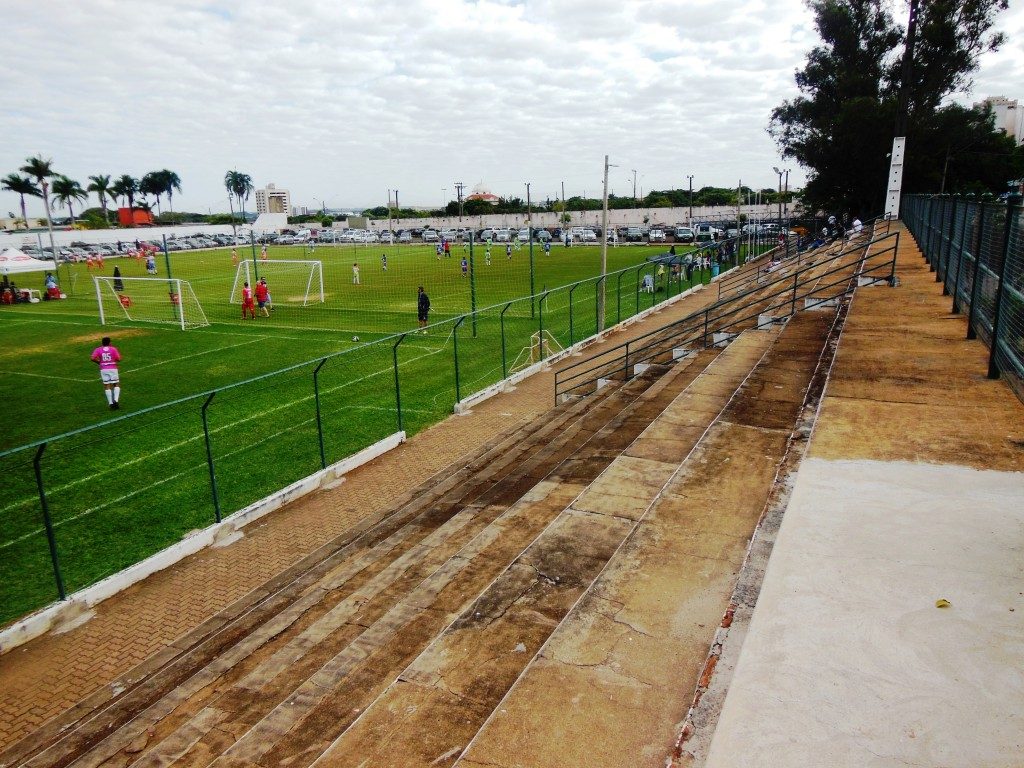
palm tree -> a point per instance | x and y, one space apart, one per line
171 182
101 186
239 185
21 186
152 184
42 169
67 192
126 187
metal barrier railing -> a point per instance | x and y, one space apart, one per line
976 250
698 327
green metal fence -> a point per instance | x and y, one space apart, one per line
80 506
976 250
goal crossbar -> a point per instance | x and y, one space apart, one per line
246 273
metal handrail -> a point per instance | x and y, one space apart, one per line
560 374
698 325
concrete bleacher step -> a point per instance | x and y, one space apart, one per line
613 682
433 708
362 615
279 603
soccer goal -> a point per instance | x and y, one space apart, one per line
292 282
148 299
541 348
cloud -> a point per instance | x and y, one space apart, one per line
339 102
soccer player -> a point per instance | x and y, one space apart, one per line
547 247
508 251
89 262
487 258
384 262
107 357
487 252
263 252
99 261
234 257
247 304
263 296
355 274
447 249
422 308
465 266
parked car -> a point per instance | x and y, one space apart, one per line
634 234
405 237
704 232
430 236
502 235
685 235
656 236
522 235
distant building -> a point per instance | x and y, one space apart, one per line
1009 116
273 200
480 192
300 210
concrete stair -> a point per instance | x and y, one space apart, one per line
549 601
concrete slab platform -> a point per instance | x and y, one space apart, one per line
848 660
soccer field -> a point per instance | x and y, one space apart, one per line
120 492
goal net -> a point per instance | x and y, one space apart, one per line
541 348
148 299
291 282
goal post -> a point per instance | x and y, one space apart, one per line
292 282
164 300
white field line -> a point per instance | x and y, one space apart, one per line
44 376
187 470
193 355
186 441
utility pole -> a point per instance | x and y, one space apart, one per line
780 193
458 189
786 196
690 222
390 224
604 251
899 140
634 184
529 229
561 223
397 208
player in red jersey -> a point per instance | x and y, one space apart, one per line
248 307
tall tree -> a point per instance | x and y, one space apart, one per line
101 186
152 184
67 192
21 186
172 184
126 187
840 126
41 169
240 186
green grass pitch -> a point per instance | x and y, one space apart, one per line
131 486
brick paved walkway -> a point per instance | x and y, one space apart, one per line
47 676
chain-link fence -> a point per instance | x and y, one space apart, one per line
86 504
975 249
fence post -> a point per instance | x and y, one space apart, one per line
455 348
598 320
319 423
704 340
540 315
472 283
895 253
51 540
625 364
940 272
792 303
931 234
638 269
209 456
571 290
971 333
504 359
618 298
960 261
1011 206
398 389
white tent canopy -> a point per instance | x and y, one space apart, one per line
14 262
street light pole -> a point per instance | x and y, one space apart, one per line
634 183
604 251
690 222
774 168
529 231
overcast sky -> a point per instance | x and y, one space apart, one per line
340 101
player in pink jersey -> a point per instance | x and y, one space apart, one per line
107 357
248 307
